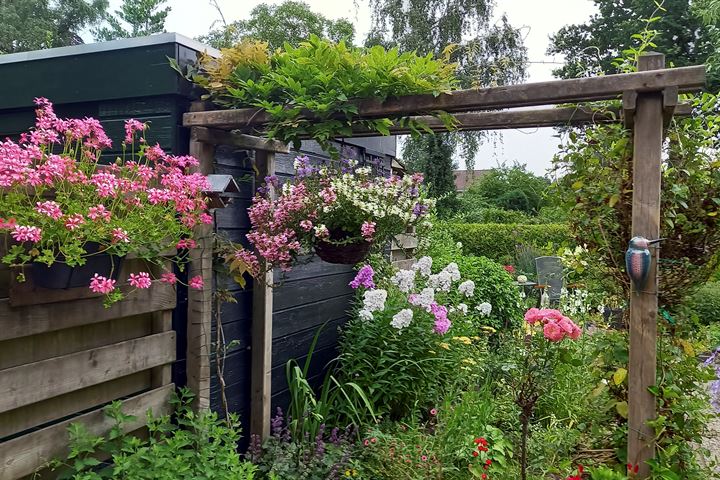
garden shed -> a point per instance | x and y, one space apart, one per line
113 81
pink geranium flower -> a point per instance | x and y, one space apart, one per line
186 243
196 282
141 280
169 278
23 233
74 221
49 208
99 212
132 126
100 284
367 230
120 236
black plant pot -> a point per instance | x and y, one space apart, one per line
344 254
60 276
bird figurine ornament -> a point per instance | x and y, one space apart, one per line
638 259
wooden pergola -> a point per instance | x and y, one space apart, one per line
649 100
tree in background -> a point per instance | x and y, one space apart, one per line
591 48
709 13
487 52
290 21
135 18
509 188
37 24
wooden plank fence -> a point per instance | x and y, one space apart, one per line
62 362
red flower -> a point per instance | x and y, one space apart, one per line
483 476
488 462
475 454
509 268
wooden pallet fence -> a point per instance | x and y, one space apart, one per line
62 362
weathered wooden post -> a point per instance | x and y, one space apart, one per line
260 377
647 146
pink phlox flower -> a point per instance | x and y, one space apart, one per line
132 126
186 243
99 212
74 221
442 326
368 230
100 284
49 208
141 280
196 282
168 277
120 235
23 233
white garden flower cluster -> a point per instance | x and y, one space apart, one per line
402 319
484 308
424 266
405 280
443 280
424 299
373 301
467 288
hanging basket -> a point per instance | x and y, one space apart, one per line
60 275
344 254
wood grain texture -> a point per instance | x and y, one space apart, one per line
200 303
509 96
262 321
23 455
34 382
37 414
647 159
31 320
240 140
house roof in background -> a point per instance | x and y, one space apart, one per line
463 178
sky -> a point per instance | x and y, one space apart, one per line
538 19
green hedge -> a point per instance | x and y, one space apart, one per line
498 241
706 302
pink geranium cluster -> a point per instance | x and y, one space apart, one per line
57 203
556 326
338 204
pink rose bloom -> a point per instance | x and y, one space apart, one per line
169 278
533 316
553 332
196 282
576 332
100 284
566 324
141 280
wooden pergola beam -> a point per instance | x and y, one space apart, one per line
512 119
554 92
214 136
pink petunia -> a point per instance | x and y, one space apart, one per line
22 233
169 278
141 280
196 282
100 284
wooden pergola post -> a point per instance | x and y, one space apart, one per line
647 148
261 350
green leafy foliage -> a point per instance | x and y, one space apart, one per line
38 24
596 188
290 21
705 302
187 446
498 241
592 46
324 79
509 188
134 18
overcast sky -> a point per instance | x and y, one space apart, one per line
537 18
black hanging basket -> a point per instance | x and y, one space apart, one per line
60 275
344 254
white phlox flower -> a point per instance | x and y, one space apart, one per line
467 288
402 319
484 308
405 280
424 266
374 300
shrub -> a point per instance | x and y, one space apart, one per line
194 445
706 302
498 241
490 215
